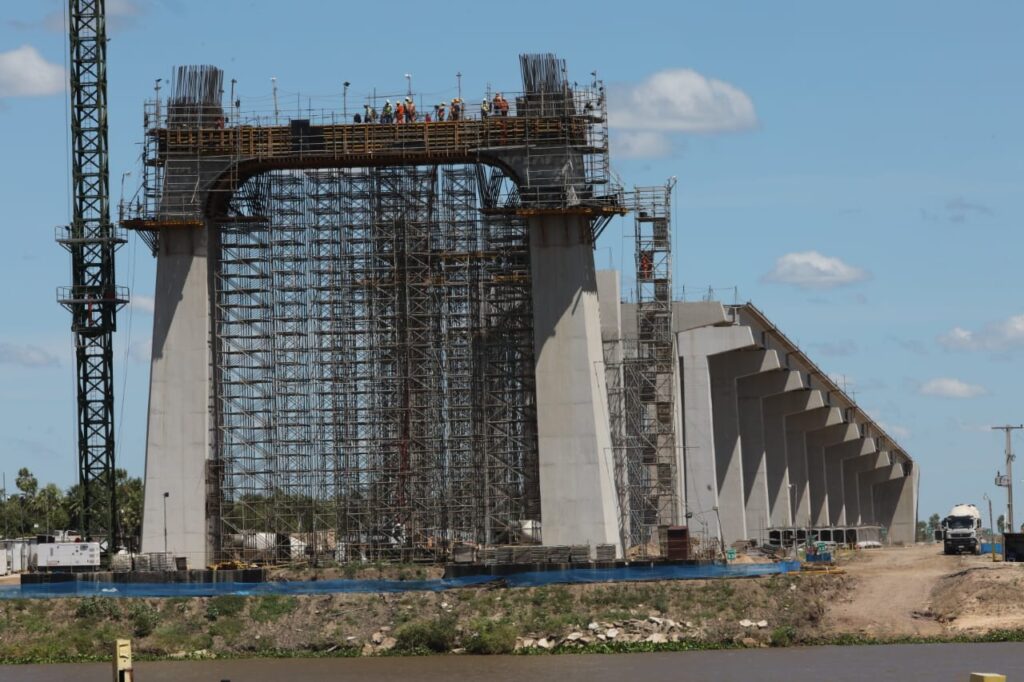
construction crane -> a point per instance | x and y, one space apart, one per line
93 297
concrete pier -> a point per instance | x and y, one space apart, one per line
577 491
178 430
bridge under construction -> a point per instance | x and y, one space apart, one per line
390 341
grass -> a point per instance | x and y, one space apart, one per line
271 607
437 635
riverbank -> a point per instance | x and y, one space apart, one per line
893 595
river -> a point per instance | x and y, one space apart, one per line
904 662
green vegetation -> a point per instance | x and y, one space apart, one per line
491 637
436 635
271 607
36 510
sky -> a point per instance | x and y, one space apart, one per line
853 169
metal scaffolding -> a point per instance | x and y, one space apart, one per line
641 371
374 366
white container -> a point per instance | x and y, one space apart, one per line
68 555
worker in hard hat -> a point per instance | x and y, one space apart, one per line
439 112
400 112
410 110
387 112
455 110
485 108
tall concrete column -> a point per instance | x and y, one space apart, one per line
178 429
866 482
835 458
577 491
698 451
896 505
852 469
751 391
817 442
797 428
777 409
725 370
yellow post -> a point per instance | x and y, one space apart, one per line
123 661
987 677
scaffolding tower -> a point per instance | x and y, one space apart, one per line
373 367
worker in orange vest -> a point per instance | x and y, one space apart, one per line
400 113
501 105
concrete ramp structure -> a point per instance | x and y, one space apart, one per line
770 446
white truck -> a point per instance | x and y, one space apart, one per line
961 530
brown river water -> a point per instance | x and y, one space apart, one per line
925 662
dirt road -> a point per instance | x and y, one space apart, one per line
895 590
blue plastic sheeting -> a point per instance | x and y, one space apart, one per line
986 548
532 579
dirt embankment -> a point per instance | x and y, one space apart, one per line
775 610
919 592
887 594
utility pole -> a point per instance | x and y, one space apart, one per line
1007 481
991 526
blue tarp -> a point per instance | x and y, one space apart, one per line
531 579
986 548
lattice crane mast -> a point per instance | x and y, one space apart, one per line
93 297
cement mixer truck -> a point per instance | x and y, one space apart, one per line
961 530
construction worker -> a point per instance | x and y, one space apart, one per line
646 265
455 110
386 114
410 110
400 113
485 108
439 112
501 105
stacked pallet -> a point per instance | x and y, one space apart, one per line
579 554
558 554
605 552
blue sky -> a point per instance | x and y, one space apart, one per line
854 169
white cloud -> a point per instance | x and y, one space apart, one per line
119 13
639 144
25 73
681 100
142 304
1004 335
26 356
944 387
812 270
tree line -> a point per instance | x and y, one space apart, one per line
35 510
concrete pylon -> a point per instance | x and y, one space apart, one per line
698 451
852 469
776 410
895 503
178 428
866 482
577 490
835 458
751 391
817 442
726 369
797 428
